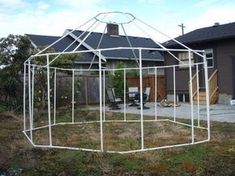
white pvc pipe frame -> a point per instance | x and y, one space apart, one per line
102 100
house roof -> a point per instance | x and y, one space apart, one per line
108 41
207 34
42 40
112 41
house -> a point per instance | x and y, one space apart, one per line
96 40
218 41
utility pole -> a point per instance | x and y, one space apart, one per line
182 27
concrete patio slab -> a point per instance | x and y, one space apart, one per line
221 113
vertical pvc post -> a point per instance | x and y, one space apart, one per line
49 101
155 92
55 96
207 96
191 95
198 102
32 113
100 93
141 100
104 95
24 98
73 96
30 103
124 96
174 93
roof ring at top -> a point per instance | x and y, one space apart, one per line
120 17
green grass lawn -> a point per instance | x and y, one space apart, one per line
18 157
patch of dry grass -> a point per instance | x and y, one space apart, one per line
118 136
18 157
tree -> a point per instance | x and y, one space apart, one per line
13 51
65 61
117 79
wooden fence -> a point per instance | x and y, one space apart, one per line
149 81
87 88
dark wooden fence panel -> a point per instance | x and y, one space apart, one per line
87 88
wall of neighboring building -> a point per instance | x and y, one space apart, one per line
181 74
225 50
222 52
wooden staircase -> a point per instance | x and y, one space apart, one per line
201 94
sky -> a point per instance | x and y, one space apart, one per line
48 17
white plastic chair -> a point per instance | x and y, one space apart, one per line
147 91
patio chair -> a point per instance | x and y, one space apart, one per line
145 96
117 99
112 99
147 92
132 91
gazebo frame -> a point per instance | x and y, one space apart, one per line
29 68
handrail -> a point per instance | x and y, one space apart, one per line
194 84
213 86
212 75
194 76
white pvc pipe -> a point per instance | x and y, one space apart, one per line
141 100
49 101
85 37
55 96
114 48
174 93
63 37
115 121
24 98
101 114
198 101
207 96
30 103
191 96
76 40
155 93
129 42
32 113
73 96
98 46
124 101
176 41
69 148
104 95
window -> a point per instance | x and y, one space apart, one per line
183 56
209 58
